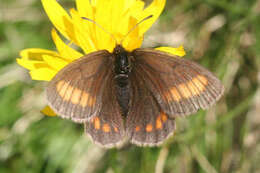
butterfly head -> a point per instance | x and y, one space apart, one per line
118 49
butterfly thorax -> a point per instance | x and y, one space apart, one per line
122 62
122 69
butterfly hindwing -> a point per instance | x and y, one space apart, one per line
76 91
107 127
146 123
180 86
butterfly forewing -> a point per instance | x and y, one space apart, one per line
180 86
76 91
146 123
107 127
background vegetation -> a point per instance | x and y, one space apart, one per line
223 35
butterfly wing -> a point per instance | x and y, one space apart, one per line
77 90
180 86
146 123
107 128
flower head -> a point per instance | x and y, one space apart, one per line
117 17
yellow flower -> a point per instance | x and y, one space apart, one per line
115 16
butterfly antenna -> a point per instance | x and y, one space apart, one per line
90 20
131 30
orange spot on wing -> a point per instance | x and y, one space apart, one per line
62 88
164 117
149 128
193 89
68 93
59 85
86 100
184 91
158 123
137 128
75 98
189 89
75 95
175 94
106 128
203 79
96 123
198 84
116 129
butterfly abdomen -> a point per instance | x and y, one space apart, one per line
123 97
122 69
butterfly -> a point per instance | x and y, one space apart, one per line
131 96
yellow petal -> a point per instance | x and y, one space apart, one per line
36 54
133 40
136 8
65 51
118 18
155 9
55 63
29 64
60 19
84 32
33 58
94 3
85 9
45 74
104 17
48 111
88 41
175 51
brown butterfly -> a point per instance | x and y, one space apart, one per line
133 96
